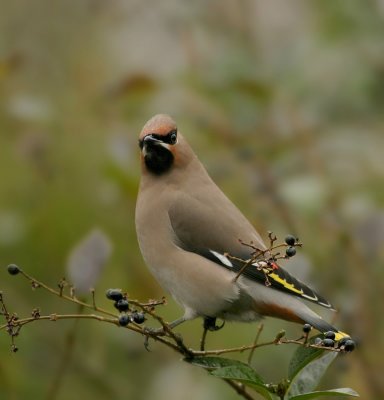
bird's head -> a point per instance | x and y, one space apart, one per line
161 145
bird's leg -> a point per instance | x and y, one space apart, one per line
209 325
176 322
202 341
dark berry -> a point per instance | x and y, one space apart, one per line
124 320
307 328
138 317
114 294
330 335
318 342
328 343
13 269
122 305
349 345
290 252
342 341
290 240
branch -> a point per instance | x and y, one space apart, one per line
128 318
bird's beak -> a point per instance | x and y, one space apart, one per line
147 140
151 140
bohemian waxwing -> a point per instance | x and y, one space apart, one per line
189 233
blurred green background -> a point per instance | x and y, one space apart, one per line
282 101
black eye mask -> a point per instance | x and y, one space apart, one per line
169 138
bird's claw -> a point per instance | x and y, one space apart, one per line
210 324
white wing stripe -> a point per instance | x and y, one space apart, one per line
314 298
224 260
324 304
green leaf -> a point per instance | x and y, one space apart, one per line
347 392
214 362
308 378
243 373
246 375
226 368
302 357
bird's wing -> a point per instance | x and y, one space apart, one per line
216 234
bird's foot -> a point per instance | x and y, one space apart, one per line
210 324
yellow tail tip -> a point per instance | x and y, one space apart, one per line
340 335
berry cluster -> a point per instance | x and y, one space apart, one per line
292 242
344 344
121 303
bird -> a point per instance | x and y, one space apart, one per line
192 238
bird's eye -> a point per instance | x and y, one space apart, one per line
173 137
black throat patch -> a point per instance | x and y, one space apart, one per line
158 159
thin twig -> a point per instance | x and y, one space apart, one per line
93 299
60 294
65 360
150 304
239 388
145 306
241 349
56 317
243 268
4 310
259 330
177 338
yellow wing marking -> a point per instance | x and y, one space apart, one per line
287 285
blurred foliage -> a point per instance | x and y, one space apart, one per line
287 96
